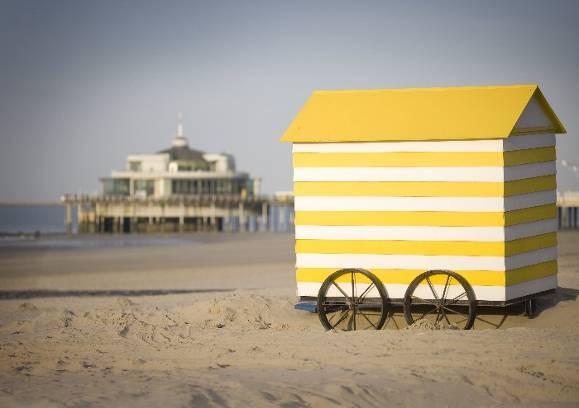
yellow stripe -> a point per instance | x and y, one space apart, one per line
424 189
521 245
529 273
437 219
424 159
530 185
539 155
460 248
542 212
479 278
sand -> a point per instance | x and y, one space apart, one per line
210 322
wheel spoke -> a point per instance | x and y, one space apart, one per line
445 290
340 289
443 312
334 314
456 299
368 320
344 315
390 318
353 280
426 313
459 319
370 314
366 291
455 311
431 287
459 322
425 300
351 323
446 317
496 326
354 299
439 315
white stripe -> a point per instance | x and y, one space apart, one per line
530 287
474 174
531 229
488 293
531 258
460 204
411 233
370 147
398 174
525 171
490 263
530 200
513 143
528 142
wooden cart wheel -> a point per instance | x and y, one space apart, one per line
530 307
440 299
352 299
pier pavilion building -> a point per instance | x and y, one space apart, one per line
176 190
179 171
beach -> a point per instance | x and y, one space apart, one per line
208 320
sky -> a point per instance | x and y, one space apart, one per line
85 83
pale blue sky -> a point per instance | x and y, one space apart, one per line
84 83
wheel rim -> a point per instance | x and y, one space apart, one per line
352 299
440 299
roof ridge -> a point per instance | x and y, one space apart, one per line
433 88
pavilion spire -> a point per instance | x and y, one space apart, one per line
180 139
180 125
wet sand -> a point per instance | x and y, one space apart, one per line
209 321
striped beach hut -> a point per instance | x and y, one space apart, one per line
392 183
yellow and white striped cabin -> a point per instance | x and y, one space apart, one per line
403 181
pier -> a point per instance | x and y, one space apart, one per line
568 210
219 213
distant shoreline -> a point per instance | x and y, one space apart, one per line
30 204
31 235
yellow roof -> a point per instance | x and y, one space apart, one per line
456 113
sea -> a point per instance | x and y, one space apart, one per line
42 219
43 227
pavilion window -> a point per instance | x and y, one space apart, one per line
135 166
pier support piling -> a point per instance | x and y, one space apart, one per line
242 222
68 218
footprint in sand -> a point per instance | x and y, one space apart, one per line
27 307
124 331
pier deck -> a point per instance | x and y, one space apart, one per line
98 214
